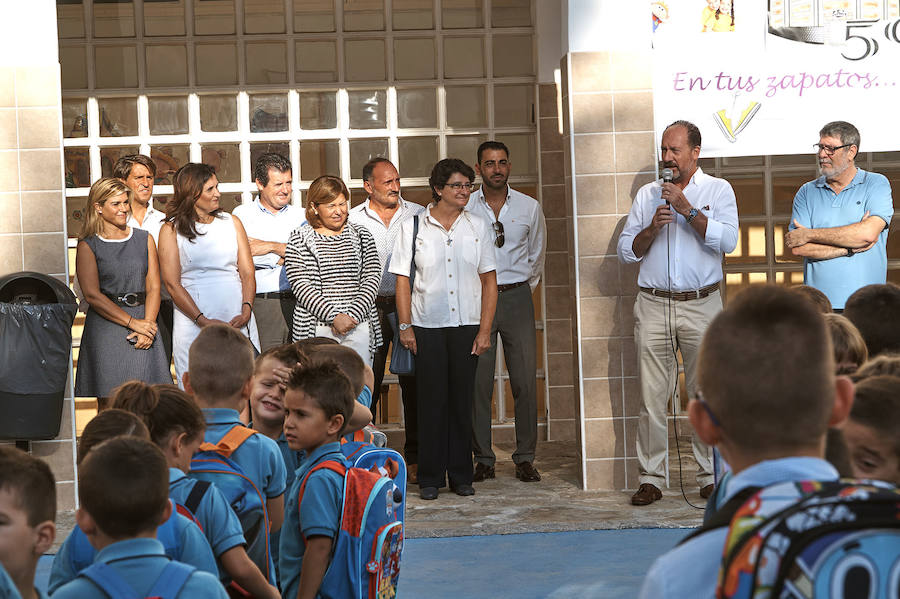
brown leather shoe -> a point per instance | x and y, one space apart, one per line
646 494
412 474
707 491
482 472
527 473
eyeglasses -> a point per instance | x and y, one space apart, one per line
708 409
460 186
829 150
501 238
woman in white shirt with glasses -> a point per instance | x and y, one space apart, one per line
445 320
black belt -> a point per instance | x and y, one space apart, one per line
682 296
130 299
502 288
275 295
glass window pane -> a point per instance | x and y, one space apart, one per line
167 66
460 14
466 106
417 195
266 62
521 153
782 252
463 57
414 59
743 161
216 64
214 17
312 16
364 15
73 67
416 108
78 169
114 19
218 113
319 157
70 19
74 218
364 60
169 159
118 117
263 16
164 17
804 159
115 66
513 55
318 110
735 282
417 155
364 150
109 157
513 105
258 149
464 147
368 109
168 115
412 14
268 112
511 13
225 158
750 193
751 245
885 157
784 188
74 118
229 201
893 240
315 61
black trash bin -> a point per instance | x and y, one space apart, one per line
36 316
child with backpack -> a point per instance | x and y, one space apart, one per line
176 426
123 492
246 467
180 536
769 394
28 508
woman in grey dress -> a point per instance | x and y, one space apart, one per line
118 272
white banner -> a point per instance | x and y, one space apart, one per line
767 83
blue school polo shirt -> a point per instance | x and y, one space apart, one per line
140 562
8 589
319 514
816 206
219 522
259 456
180 538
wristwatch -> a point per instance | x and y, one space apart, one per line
849 251
692 215
404 325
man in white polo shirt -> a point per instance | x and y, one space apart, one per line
519 240
269 220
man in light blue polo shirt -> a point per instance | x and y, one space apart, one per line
840 221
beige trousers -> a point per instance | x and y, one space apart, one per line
662 326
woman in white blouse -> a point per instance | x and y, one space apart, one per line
445 320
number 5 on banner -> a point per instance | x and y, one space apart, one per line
871 43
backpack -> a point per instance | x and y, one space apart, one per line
193 502
170 582
213 463
797 540
381 460
365 559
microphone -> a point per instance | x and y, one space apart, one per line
667 176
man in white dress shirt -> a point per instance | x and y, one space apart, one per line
519 239
382 214
269 220
678 232
138 172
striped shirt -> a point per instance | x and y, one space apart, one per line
333 274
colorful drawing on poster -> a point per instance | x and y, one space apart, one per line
722 18
708 16
733 120
660 13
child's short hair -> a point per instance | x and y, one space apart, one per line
108 424
305 345
888 364
876 404
123 483
767 371
848 345
874 309
165 409
327 384
30 481
819 299
289 354
346 358
220 362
